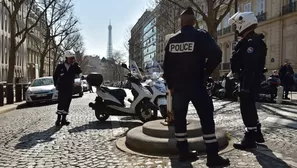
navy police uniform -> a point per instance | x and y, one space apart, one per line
248 61
190 57
63 79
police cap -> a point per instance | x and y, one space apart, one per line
188 11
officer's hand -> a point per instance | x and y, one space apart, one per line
171 91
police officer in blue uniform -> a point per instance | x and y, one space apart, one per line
64 76
190 57
248 62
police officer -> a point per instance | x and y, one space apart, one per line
248 62
63 79
185 71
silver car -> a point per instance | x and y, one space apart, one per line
41 90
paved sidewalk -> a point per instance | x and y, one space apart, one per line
10 107
32 140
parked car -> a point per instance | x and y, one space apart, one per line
85 85
41 90
78 87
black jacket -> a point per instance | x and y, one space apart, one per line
248 60
64 78
190 57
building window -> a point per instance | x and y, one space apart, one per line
260 6
226 24
248 7
219 27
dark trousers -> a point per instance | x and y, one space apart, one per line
64 100
204 107
248 110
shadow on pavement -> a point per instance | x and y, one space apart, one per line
223 106
175 163
275 113
30 140
267 159
128 118
105 125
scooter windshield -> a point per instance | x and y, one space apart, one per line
155 70
134 68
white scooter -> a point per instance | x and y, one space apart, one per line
157 87
111 101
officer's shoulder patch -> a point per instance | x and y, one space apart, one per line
250 50
250 40
181 47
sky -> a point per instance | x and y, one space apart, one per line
94 17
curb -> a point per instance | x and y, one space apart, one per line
11 107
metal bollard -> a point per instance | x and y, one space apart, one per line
280 93
25 87
1 95
18 92
9 93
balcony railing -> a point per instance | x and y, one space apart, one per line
227 30
290 8
220 32
224 31
225 66
261 17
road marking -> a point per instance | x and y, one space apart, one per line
279 111
285 122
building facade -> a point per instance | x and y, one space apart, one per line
136 40
28 55
149 44
21 55
277 21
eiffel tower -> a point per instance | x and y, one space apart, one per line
109 47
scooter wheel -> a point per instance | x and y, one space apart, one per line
163 111
101 116
146 114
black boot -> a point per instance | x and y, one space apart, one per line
247 142
58 122
216 160
64 121
259 136
188 156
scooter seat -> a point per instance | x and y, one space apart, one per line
119 94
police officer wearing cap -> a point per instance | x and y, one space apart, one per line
190 57
64 76
248 62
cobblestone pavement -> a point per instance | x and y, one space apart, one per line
28 138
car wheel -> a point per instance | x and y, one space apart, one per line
81 94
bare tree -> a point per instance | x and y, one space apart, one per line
19 28
115 61
79 49
66 39
55 23
127 37
216 11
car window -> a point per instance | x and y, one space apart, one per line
42 82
